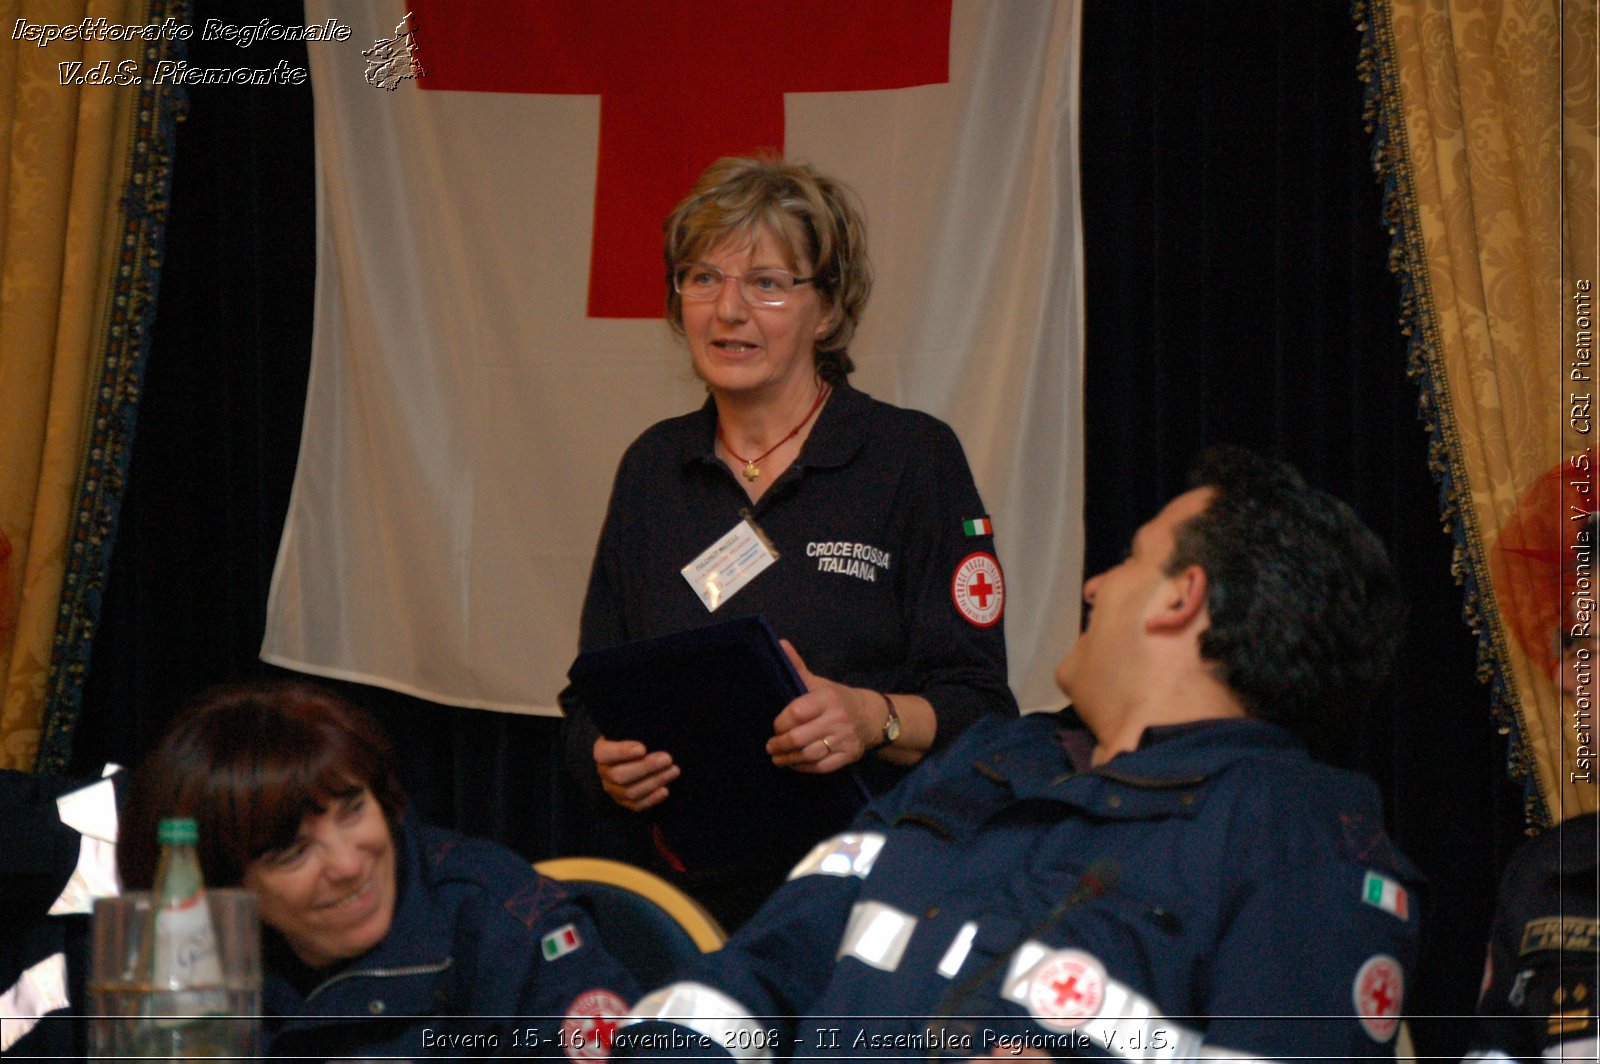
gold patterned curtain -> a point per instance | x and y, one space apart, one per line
1485 116
83 184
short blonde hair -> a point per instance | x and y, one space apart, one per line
812 217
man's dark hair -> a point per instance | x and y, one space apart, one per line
1305 607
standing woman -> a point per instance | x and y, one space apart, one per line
886 589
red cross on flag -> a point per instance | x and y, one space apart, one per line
488 333
679 84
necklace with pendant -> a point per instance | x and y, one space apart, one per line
752 468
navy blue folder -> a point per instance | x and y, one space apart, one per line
708 696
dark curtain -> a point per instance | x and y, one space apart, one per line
214 458
219 418
1236 289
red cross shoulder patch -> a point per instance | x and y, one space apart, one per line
591 1024
979 589
1379 986
1067 988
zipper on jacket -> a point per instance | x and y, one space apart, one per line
415 969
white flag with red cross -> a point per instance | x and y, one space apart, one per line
489 333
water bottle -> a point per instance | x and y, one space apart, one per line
186 1010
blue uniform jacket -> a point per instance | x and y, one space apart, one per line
1543 969
478 961
1215 888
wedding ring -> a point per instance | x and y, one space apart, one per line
827 744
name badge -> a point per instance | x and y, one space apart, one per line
729 564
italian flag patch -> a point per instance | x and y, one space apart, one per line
1386 894
560 942
978 526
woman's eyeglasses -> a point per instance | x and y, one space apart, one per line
699 283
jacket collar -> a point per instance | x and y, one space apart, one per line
1165 777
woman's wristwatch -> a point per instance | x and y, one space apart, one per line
891 723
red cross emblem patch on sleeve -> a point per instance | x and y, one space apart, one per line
979 589
591 1024
1379 986
1067 988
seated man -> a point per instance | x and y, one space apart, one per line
1164 873
1540 979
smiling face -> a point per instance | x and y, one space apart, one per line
1105 660
747 351
331 893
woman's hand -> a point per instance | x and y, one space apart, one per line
827 728
634 777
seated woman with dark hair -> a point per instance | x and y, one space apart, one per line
382 937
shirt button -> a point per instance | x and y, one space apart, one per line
1113 802
376 1007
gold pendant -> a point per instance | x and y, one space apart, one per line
750 471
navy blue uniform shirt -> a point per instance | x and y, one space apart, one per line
870 525
1214 888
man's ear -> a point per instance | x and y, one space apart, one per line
1183 598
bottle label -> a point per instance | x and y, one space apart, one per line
186 946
